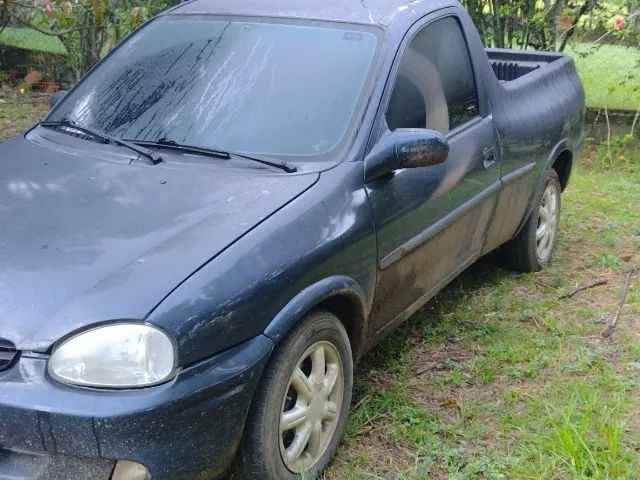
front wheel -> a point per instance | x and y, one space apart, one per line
531 250
301 405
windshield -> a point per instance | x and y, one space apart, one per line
238 86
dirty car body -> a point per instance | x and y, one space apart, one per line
225 255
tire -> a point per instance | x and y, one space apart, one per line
526 252
265 453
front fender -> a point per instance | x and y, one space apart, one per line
321 244
313 296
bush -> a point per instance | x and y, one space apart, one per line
86 28
17 63
549 24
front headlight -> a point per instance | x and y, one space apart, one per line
123 355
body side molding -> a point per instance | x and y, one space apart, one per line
437 227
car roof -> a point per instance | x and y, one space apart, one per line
376 12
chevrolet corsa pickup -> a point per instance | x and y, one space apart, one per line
207 231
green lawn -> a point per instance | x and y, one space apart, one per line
610 73
28 39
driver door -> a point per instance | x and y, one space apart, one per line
430 221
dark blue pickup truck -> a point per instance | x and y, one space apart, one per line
203 236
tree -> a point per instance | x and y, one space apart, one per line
5 17
527 23
87 28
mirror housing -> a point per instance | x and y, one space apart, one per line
56 98
406 148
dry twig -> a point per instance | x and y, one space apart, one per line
606 116
582 289
614 321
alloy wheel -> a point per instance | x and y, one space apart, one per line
547 223
311 407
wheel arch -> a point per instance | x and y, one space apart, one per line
563 165
561 160
340 295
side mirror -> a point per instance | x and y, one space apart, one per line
406 148
56 97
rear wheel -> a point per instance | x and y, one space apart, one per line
533 248
301 405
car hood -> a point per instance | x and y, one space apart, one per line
85 240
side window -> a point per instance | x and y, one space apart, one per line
435 87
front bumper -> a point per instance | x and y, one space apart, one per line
187 428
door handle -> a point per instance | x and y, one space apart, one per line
489 156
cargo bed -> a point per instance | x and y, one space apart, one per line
509 65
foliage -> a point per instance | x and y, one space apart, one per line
617 153
549 24
527 23
127 19
5 18
86 28
613 21
53 67
35 80
82 26
611 73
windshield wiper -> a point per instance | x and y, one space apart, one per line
152 157
282 165
211 152
172 144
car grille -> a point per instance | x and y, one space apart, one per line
8 355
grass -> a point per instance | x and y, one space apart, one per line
18 111
609 74
497 378
29 39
